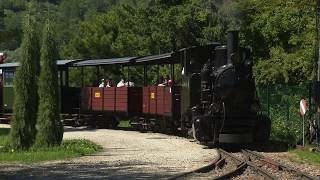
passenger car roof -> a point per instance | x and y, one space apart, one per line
59 63
96 62
167 58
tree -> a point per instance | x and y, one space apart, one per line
282 35
23 129
50 128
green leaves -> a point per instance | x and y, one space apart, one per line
279 32
282 35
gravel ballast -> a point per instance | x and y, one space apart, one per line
125 155
283 158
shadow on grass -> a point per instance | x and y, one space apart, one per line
125 170
4 131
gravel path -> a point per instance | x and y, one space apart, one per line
125 155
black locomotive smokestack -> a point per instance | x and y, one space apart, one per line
233 46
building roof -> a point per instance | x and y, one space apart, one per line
96 62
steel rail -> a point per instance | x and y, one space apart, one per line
239 170
202 169
261 171
246 163
298 173
241 166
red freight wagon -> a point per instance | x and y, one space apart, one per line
126 100
160 100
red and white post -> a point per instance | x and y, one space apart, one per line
303 110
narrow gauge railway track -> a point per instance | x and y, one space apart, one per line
280 171
244 165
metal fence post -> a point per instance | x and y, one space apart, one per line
309 98
318 133
268 103
288 106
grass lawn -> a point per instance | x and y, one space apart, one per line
68 149
301 156
4 134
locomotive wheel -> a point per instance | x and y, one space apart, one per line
201 133
262 129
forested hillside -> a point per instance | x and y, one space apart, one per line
281 33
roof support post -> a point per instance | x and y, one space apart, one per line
145 75
158 74
122 72
61 77
98 75
67 76
82 74
128 74
172 73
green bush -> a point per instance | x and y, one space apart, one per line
68 149
281 102
81 147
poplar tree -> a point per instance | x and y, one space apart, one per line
23 129
50 129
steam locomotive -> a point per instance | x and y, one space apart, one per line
228 110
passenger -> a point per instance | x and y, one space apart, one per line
162 82
102 83
169 81
107 83
121 83
130 83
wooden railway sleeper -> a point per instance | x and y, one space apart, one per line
280 166
220 163
261 171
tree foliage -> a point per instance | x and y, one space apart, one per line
50 128
281 34
25 100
